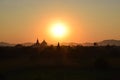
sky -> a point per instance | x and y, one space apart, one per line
88 20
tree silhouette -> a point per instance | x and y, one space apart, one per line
95 44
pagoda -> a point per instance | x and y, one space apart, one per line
37 44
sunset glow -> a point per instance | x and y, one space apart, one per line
78 21
58 30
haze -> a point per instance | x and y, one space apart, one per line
88 20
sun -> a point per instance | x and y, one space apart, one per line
59 30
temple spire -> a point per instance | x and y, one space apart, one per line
37 41
58 45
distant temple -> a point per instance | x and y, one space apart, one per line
38 44
44 43
58 45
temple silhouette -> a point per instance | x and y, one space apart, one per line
38 44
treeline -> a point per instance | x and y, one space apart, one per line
65 56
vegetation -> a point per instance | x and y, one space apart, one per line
59 63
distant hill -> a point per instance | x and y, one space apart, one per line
87 44
101 43
69 44
27 44
6 44
110 42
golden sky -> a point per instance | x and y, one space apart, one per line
87 20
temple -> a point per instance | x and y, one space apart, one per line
44 43
38 44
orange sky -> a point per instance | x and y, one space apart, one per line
87 21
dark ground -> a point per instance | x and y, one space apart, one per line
60 63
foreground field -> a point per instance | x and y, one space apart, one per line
60 63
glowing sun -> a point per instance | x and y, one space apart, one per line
59 30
